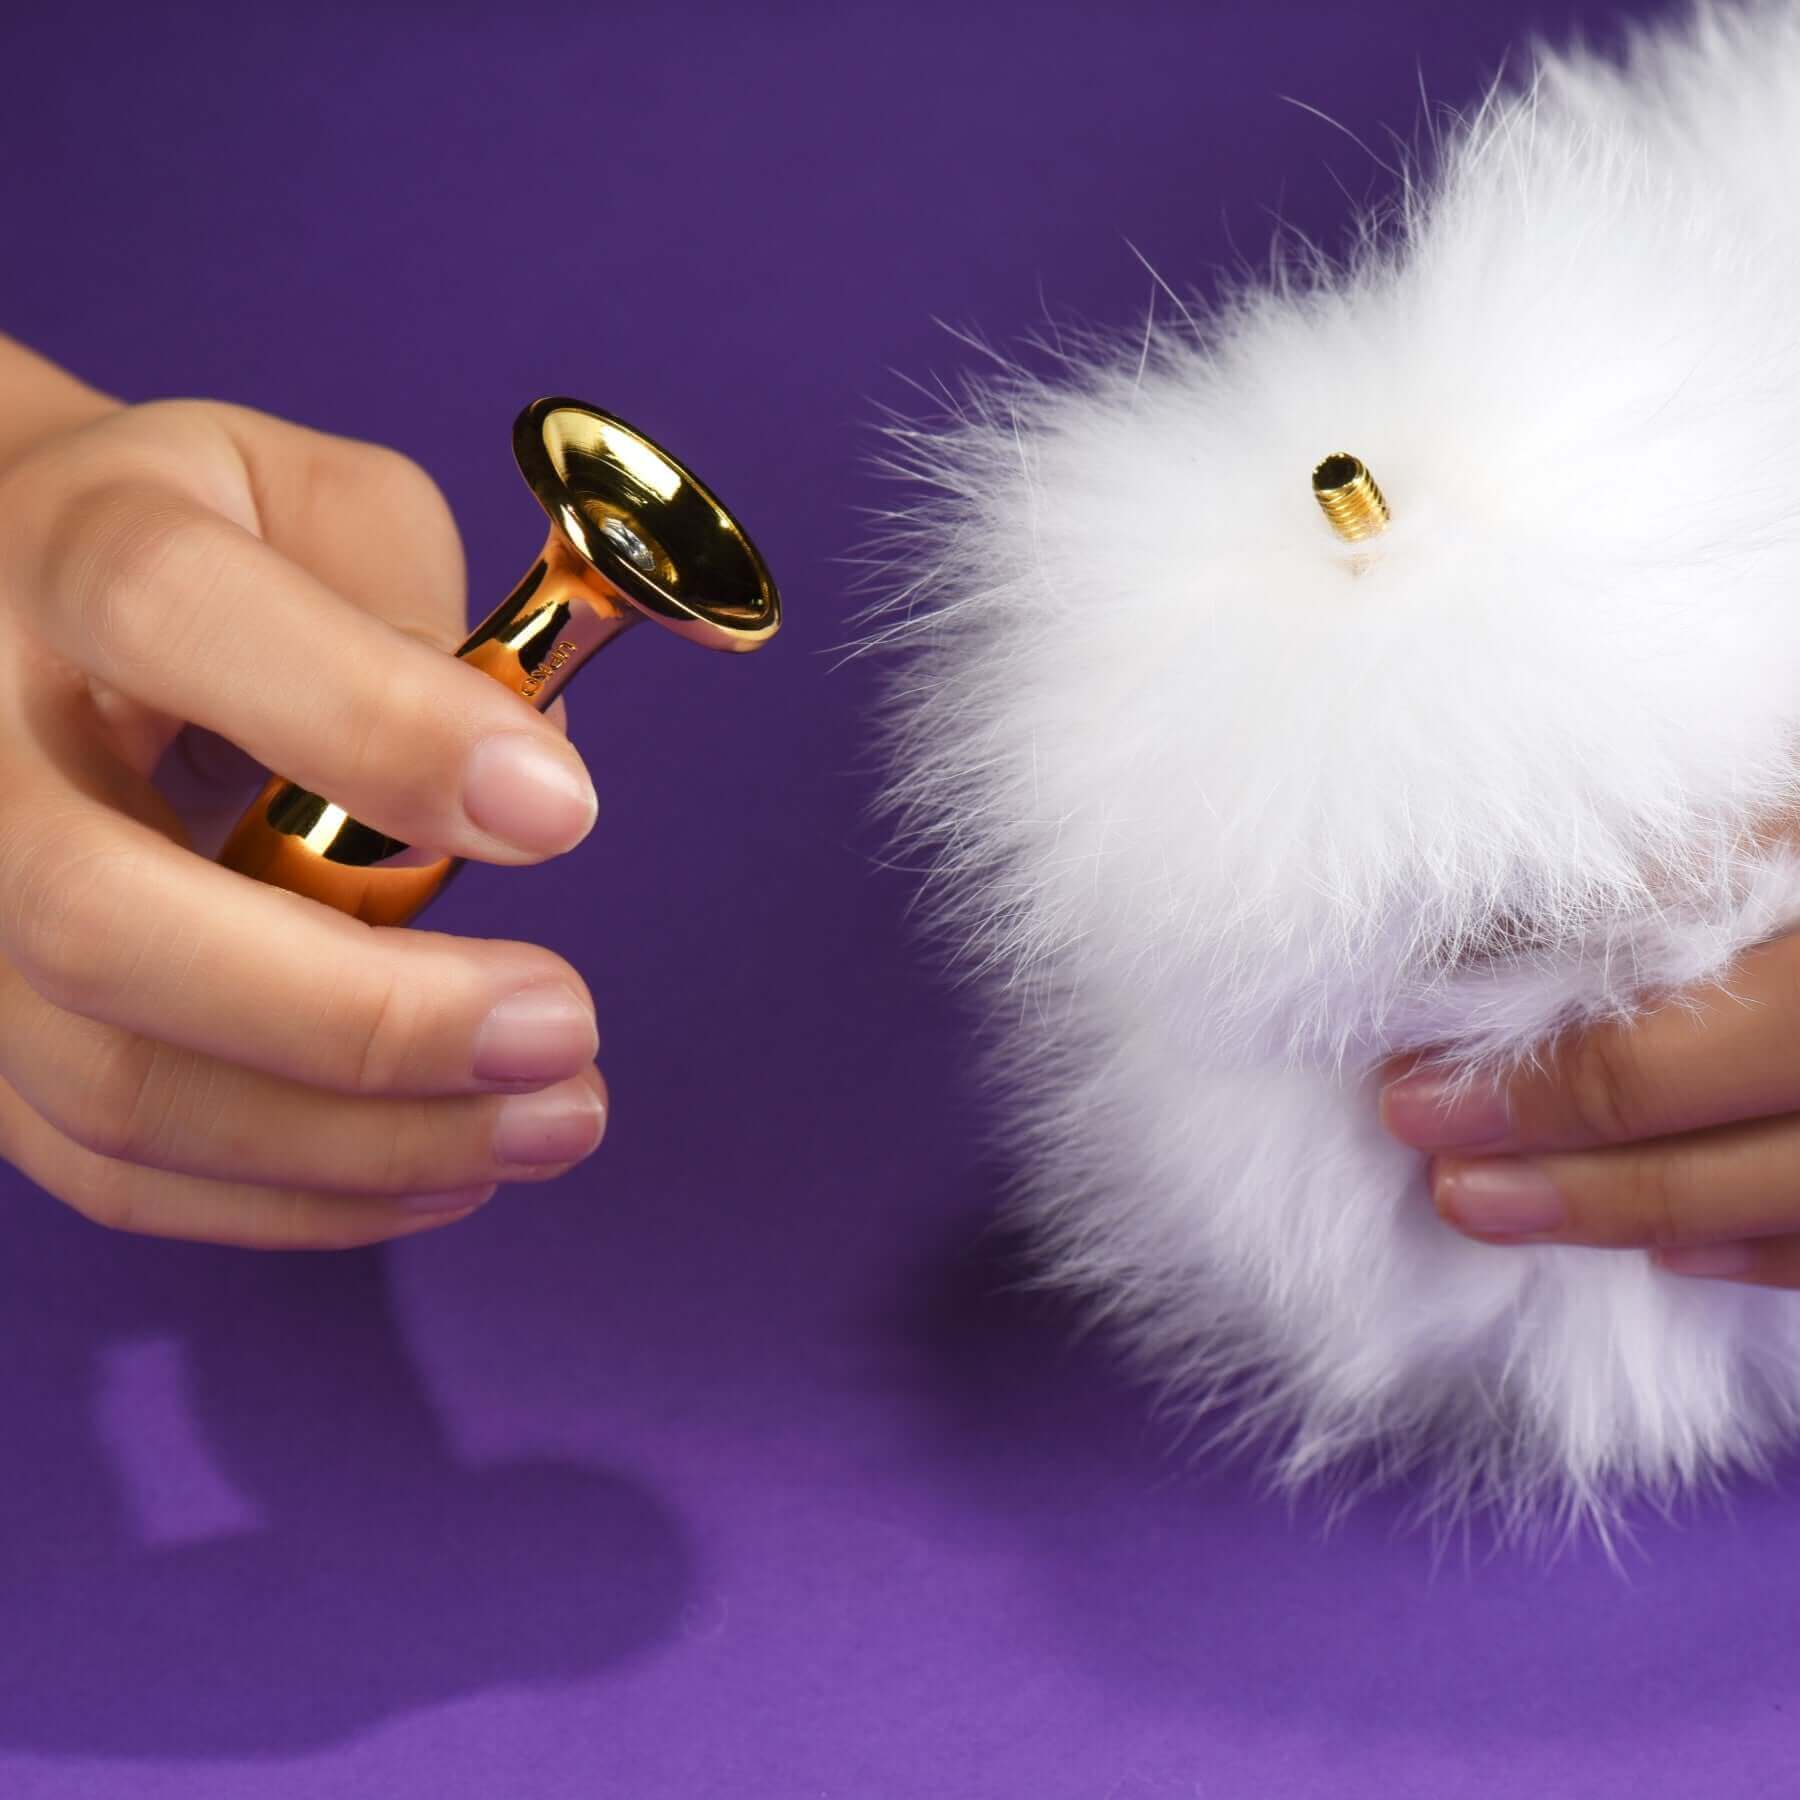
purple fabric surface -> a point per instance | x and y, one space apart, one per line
729 1464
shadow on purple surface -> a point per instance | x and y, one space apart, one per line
1176 1580
376 1572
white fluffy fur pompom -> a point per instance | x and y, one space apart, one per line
1224 811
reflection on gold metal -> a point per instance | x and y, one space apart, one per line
632 535
1348 497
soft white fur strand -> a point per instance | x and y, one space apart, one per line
1222 812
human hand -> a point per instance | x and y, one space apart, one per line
189 1053
1678 1133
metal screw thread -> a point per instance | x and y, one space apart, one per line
1348 497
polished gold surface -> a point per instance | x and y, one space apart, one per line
1348 497
632 535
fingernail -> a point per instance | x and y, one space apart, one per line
1430 1111
560 1125
1704 1259
530 793
1502 1198
452 1200
542 1033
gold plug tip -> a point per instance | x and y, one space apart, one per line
1348 497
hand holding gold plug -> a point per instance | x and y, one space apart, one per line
188 1053
633 535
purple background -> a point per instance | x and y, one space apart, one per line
728 1465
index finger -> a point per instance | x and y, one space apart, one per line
1712 1055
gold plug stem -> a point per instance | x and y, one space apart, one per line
632 535
1348 497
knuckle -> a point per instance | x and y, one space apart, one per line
292 1221
408 1147
120 1117
399 488
1660 1198
380 481
65 901
104 1193
114 550
387 1023
1603 1088
408 747
375 481
393 477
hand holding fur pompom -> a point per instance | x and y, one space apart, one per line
1678 1132
1230 813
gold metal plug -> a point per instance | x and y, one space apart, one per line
1348 497
633 535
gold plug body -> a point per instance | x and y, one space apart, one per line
633 535
1349 498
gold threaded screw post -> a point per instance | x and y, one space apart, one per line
1348 497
